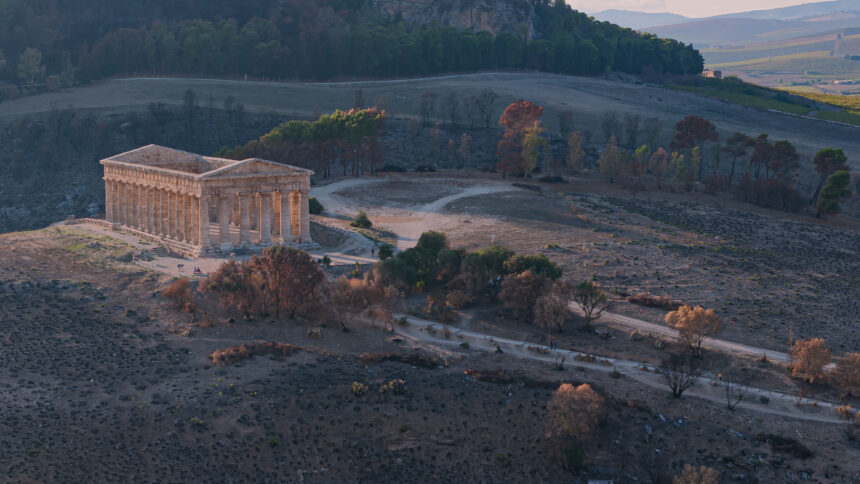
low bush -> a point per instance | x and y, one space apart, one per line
179 293
362 221
551 179
419 360
315 207
385 251
397 387
235 354
662 302
358 389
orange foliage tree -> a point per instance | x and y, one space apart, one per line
694 325
847 373
518 119
573 414
807 359
521 291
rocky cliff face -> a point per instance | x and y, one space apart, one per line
494 16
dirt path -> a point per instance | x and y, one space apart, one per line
779 404
418 219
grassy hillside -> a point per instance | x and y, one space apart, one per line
843 109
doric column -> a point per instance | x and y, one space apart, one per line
122 203
265 219
295 216
156 211
162 213
129 204
171 214
285 229
109 200
244 221
135 193
143 195
306 219
181 217
203 223
224 209
235 210
193 218
276 214
150 210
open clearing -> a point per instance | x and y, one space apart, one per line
588 98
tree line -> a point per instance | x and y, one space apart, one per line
759 170
305 39
350 138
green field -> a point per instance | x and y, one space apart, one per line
736 91
800 101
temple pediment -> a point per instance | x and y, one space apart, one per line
256 167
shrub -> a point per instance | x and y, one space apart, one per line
394 272
807 359
315 207
538 264
662 302
234 354
397 387
692 475
362 221
358 389
385 252
315 333
326 261
457 299
179 293
551 179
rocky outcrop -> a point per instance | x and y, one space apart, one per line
494 16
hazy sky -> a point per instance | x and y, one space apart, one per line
689 8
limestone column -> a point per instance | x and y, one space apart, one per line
156 211
181 217
265 219
127 201
285 230
162 211
171 214
108 200
203 223
224 209
306 219
143 195
276 214
193 218
235 209
120 203
296 216
137 202
150 210
244 221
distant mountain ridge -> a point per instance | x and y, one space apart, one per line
639 20
744 27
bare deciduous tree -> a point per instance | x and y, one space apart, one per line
736 389
484 104
851 418
521 291
552 309
347 297
426 106
680 373
591 299
846 374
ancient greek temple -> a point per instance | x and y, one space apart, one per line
199 205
